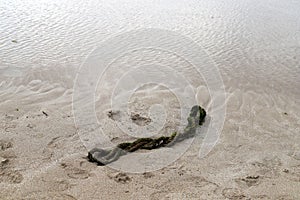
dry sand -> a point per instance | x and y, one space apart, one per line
257 156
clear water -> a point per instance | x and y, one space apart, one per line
252 42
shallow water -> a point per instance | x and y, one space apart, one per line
252 42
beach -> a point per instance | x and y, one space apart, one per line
254 45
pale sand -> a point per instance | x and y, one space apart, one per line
254 43
257 157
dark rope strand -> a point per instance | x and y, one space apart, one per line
103 157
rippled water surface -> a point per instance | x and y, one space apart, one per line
255 44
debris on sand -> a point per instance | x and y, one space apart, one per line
45 113
140 120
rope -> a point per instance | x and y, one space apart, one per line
104 157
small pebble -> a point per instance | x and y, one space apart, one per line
285 170
29 125
4 160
